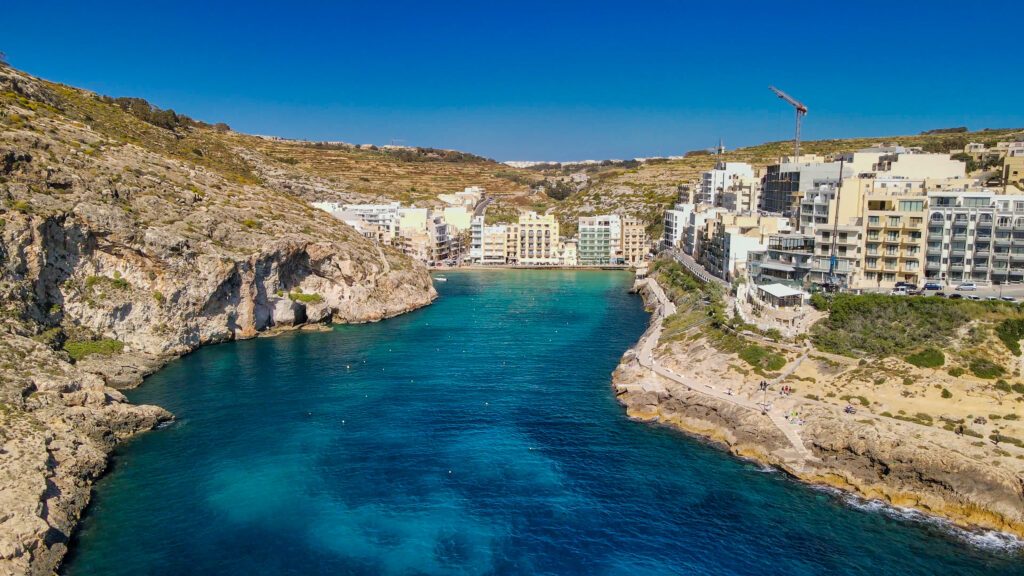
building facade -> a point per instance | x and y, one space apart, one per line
787 259
975 236
599 240
633 242
537 240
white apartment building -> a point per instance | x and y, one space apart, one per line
693 231
714 183
600 240
476 238
675 225
975 235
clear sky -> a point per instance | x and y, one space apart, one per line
541 80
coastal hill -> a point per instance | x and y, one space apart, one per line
129 236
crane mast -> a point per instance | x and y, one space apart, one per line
801 111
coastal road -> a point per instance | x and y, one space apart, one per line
799 456
482 206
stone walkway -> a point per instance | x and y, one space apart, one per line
797 456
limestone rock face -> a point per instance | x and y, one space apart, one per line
118 248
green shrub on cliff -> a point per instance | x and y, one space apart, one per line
306 298
927 358
985 368
879 325
761 357
79 349
1010 332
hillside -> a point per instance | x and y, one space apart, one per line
129 236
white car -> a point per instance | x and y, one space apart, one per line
901 291
967 287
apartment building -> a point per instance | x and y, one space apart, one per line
493 248
894 239
921 165
676 220
468 198
715 182
458 217
538 238
847 241
382 217
633 243
975 235
786 183
787 259
742 194
600 240
729 238
567 253
1013 168
694 231
476 238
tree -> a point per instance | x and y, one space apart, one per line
972 165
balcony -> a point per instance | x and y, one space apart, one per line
1002 241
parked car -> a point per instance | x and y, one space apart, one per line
973 297
940 294
967 287
955 296
898 291
932 286
1008 299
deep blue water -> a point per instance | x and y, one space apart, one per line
476 436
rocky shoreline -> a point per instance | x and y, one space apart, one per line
886 461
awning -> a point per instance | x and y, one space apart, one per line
778 266
780 290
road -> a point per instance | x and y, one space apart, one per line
482 206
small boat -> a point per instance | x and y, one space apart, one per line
440 278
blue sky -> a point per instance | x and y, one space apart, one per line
541 80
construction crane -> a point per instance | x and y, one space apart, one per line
801 111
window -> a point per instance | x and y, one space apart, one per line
911 205
978 202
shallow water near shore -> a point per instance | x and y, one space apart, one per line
479 435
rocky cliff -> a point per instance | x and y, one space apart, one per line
124 244
900 463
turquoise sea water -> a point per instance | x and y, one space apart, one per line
476 436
